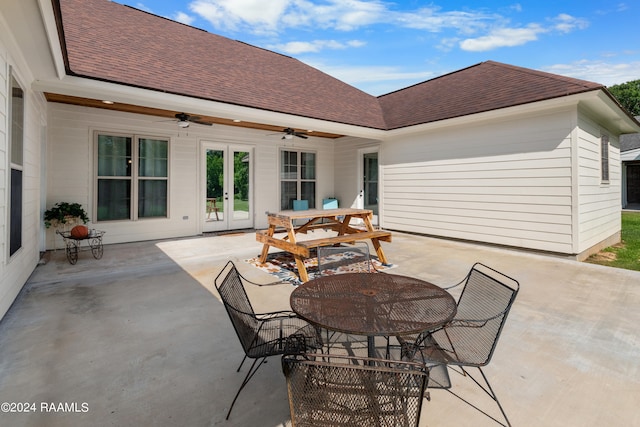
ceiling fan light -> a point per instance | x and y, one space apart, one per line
183 124
287 136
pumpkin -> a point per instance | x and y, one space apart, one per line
80 232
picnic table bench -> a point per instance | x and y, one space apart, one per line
334 219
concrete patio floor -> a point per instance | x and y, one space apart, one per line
140 338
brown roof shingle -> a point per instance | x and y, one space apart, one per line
116 43
111 42
483 87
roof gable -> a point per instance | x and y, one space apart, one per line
483 87
111 42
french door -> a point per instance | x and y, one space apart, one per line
369 181
226 199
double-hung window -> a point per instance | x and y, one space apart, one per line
132 180
297 178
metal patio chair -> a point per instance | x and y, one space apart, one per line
470 339
264 334
351 391
355 255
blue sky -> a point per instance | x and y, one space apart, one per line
382 46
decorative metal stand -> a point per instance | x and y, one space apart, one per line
94 240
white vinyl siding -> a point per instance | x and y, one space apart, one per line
71 131
599 202
507 182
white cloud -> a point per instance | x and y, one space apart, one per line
433 20
502 37
567 23
298 47
259 16
482 31
602 72
234 15
144 7
183 18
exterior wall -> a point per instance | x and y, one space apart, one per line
71 174
505 182
15 270
598 202
348 170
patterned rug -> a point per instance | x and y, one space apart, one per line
282 265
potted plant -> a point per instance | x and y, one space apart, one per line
64 212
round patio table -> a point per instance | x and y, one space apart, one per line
373 304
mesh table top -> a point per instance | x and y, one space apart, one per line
373 304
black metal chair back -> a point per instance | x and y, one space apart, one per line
328 390
261 334
483 306
238 306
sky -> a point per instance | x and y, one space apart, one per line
382 46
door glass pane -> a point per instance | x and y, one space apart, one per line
371 182
215 182
241 168
114 199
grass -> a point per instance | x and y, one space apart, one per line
626 254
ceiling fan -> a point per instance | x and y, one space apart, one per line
184 120
290 133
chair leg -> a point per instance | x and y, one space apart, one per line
488 390
241 363
248 377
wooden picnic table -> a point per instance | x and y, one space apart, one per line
334 219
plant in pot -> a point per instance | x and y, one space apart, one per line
63 213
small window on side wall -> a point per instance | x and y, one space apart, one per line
604 158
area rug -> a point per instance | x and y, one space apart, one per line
283 267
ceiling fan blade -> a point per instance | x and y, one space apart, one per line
200 122
301 135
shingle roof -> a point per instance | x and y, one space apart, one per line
116 43
111 42
629 142
483 87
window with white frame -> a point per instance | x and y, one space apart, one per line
132 178
16 147
604 158
297 178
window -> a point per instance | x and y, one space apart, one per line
297 178
16 118
604 157
132 177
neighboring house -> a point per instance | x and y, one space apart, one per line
90 90
630 156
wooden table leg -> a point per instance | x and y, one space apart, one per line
302 270
376 243
265 247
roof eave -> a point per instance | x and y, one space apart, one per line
596 100
96 89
